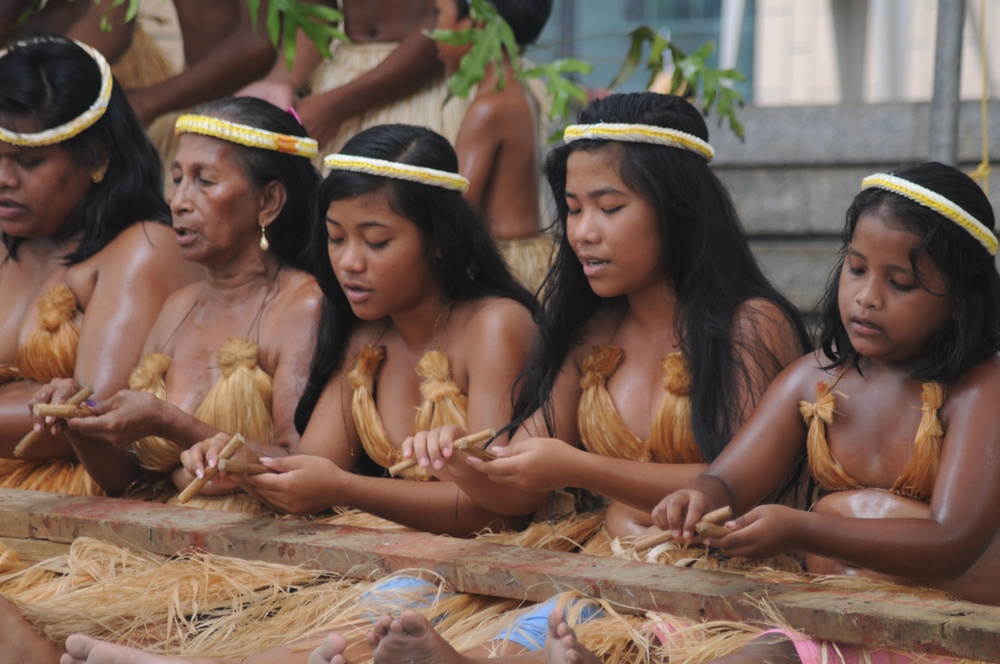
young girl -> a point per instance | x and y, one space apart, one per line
422 327
897 413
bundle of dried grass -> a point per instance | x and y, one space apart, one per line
50 350
240 402
917 479
672 437
443 402
824 468
144 64
155 453
53 476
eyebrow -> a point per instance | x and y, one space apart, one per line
907 269
597 193
363 224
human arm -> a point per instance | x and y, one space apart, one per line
281 85
242 56
961 520
478 145
111 43
409 67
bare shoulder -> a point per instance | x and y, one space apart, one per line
300 295
764 320
977 390
487 321
143 246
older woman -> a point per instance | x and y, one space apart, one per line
88 255
242 201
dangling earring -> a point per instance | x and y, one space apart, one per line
264 244
97 177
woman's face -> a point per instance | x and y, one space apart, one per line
611 228
214 206
39 189
380 258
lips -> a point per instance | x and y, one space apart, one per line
185 236
356 292
10 209
864 326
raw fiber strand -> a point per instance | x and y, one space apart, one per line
240 401
672 437
154 453
917 479
50 350
52 476
823 466
597 418
144 64
443 402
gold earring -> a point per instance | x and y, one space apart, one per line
264 244
97 177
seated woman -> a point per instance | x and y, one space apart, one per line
422 326
88 255
231 352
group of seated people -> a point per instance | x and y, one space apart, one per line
348 323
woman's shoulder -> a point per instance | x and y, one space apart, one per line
978 387
142 246
300 294
493 312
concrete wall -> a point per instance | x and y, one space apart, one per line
794 176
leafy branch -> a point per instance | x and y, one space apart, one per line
492 41
709 88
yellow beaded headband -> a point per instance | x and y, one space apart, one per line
70 129
638 133
242 134
393 169
934 201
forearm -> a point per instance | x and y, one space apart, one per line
500 499
113 468
434 507
932 550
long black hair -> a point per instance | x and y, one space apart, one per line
705 259
468 263
49 81
972 281
288 234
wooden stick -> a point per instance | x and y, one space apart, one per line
61 410
32 436
231 448
714 517
465 443
711 530
242 467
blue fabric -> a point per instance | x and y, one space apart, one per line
530 629
396 593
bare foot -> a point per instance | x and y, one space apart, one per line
82 649
21 642
561 646
411 639
331 651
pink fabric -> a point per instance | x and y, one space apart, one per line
821 652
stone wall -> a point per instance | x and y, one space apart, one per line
794 176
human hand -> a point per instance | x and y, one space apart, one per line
300 483
57 391
435 451
280 94
536 464
120 420
319 116
681 511
764 531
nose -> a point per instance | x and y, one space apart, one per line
869 295
8 174
350 258
177 198
582 229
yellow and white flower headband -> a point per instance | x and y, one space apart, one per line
936 202
639 133
242 134
393 169
70 129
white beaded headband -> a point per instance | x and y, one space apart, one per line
242 134
70 129
393 169
936 202
639 133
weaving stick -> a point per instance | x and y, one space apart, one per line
712 519
61 410
233 446
32 436
242 467
465 443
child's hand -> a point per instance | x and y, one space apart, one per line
681 511
536 464
300 483
764 531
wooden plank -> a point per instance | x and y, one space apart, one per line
868 618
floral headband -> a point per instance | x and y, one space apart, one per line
393 169
937 203
639 133
69 129
242 134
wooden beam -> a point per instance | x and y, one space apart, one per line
897 621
